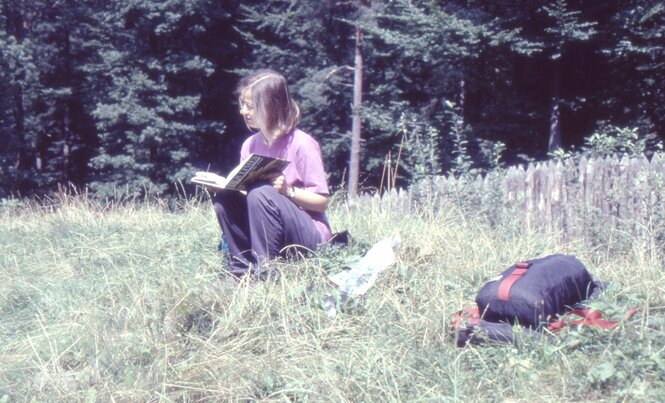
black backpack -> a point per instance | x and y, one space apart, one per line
534 292
531 293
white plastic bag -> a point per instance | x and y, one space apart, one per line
359 276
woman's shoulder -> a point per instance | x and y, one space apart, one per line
252 139
250 145
302 138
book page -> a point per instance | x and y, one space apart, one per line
210 179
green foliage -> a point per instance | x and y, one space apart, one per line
405 40
621 141
567 27
466 164
131 95
107 94
19 76
462 161
613 140
492 152
637 51
421 145
146 120
427 56
49 133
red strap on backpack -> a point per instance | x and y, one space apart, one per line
507 283
589 318
466 315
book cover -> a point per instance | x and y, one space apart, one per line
247 172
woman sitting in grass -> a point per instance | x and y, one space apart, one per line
286 208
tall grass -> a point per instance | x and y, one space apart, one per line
130 302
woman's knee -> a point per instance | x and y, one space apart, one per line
260 195
225 203
218 203
219 209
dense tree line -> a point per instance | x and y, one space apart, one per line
134 95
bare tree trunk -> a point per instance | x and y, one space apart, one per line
354 160
462 97
66 144
19 127
554 141
66 123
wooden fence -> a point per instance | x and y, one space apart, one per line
563 196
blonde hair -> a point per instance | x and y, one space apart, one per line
275 111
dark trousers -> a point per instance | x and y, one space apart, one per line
260 225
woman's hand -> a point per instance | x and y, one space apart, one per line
303 198
278 182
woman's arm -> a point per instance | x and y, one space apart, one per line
307 200
301 197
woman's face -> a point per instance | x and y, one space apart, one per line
247 108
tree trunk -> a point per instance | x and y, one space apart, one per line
66 122
16 26
554 142
19 129
462 98
354 160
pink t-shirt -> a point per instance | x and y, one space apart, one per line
305 170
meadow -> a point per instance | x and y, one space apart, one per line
128 301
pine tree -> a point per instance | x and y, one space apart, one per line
637 53
149 78
66 134
431 60
20 165
420 49
50 134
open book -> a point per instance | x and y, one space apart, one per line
249 171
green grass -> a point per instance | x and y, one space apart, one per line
128 302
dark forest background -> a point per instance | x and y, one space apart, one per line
124 97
